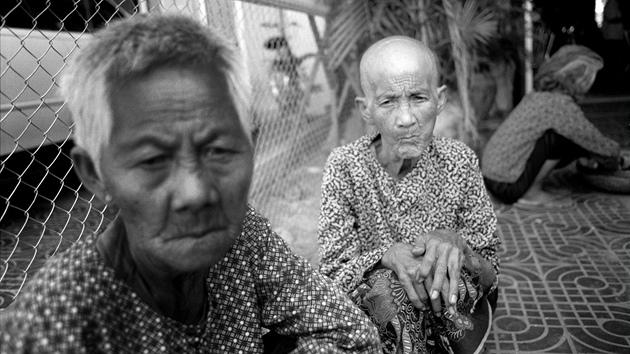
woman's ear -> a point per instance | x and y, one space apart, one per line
85 168
441 94
362 105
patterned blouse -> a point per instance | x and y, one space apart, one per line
364 211
77 305
508 149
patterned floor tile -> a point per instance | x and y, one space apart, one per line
565 276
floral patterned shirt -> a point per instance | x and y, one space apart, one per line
364 211
508 149
76 305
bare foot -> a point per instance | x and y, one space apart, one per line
545 200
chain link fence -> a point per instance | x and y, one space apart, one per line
46 210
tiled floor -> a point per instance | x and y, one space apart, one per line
564 286
565 276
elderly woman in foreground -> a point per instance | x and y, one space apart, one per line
406 226
187 266
547 130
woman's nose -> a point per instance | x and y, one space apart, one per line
193 190
404 116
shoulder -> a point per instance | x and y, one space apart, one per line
60 291
346 163
66 273
454 159
258 237
453 150
262 249
544 99
351 151
254 224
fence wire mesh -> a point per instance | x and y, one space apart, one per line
46 210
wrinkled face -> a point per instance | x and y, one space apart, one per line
402 102
179 167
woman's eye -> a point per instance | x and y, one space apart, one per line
154 161
216 151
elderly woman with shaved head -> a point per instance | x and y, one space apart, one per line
548 130
406 226
188 266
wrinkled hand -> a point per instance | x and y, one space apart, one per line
400 259
442 253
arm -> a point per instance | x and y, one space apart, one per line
22 328
39 322
299 302
400 258
477 224
444 251
342 257
570 122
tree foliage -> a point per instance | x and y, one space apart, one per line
459 31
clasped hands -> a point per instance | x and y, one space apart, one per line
429 268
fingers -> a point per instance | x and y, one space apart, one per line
399 259
441 266
423 297
434 299
412 289
419 246
418 251
429 258
421 291
436 303
442 282
454 269
446 290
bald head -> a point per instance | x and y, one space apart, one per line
402 99
394 53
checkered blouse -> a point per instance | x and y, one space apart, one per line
77 305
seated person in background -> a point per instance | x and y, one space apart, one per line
547 130
161 123
406 226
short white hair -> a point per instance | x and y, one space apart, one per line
134 47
